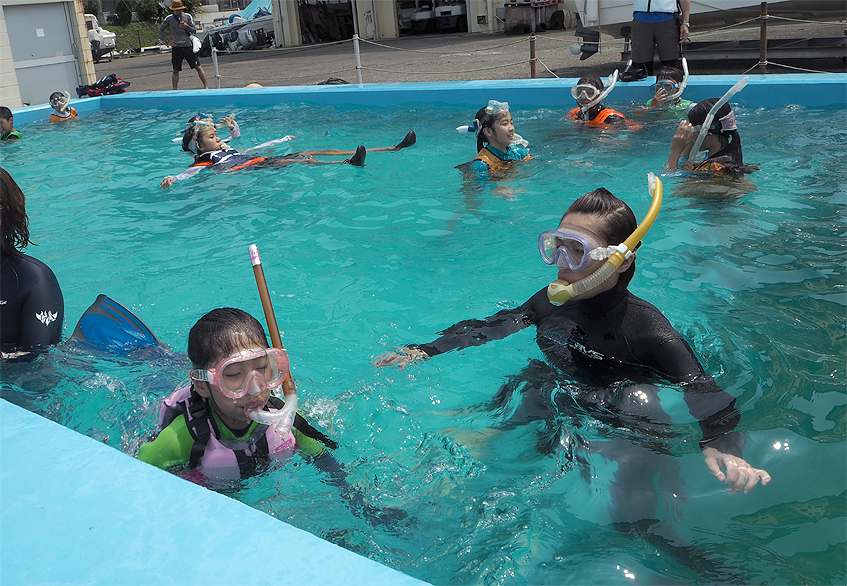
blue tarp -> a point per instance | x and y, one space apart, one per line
254 7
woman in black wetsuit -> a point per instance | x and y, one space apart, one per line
32 310
607 339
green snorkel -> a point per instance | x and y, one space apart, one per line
560 292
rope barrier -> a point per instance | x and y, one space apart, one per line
806 21
441 53
446 72
786 66
548 69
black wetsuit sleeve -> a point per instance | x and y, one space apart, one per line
713 407
33 309
476 332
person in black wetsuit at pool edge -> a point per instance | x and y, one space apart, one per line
612 343
32 310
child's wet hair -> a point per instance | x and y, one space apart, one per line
591 80
5 113
486 120
222 332
670 73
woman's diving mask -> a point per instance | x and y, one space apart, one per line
559 291
572 249
589 96
494 108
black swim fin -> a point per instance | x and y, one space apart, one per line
108 325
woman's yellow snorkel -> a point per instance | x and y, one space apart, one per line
560 292
284 418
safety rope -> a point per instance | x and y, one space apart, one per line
786 66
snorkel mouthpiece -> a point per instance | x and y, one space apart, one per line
560 291
281 419
610 85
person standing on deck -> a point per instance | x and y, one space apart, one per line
182 27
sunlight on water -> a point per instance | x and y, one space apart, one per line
360 261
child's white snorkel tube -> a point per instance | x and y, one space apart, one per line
560 292
683 83
283 419
610 85
707 123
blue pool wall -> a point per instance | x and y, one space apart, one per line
762 90
75 511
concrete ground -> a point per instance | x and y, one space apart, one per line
445 57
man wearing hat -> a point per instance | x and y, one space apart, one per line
182 27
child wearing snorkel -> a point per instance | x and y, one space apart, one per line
62 111
589 93
240 412
594 332
498 147
709 127
667 99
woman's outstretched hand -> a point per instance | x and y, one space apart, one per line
402 358
739 474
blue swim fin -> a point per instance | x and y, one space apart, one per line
108 325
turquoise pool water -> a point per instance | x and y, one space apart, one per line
362 260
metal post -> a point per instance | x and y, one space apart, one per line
356 42
215 63
763 39
532 55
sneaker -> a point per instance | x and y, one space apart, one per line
407 141
358 160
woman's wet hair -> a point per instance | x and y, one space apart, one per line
671 73
485 121
616 220
220 333
13 218
730 140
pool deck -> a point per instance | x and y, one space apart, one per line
75 511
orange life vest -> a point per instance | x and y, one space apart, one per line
600 119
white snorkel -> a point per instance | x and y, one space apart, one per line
609 86
281 419
707 123
678 93
560 292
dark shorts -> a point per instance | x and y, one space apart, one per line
187 53
647 36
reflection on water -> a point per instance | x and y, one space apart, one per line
749 270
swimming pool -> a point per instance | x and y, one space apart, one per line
362 260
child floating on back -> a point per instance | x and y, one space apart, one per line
201 139
62 111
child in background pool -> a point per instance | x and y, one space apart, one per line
589 93
7 125
667 99
721 141
201 139
62 111
226 423
613 345
498 147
